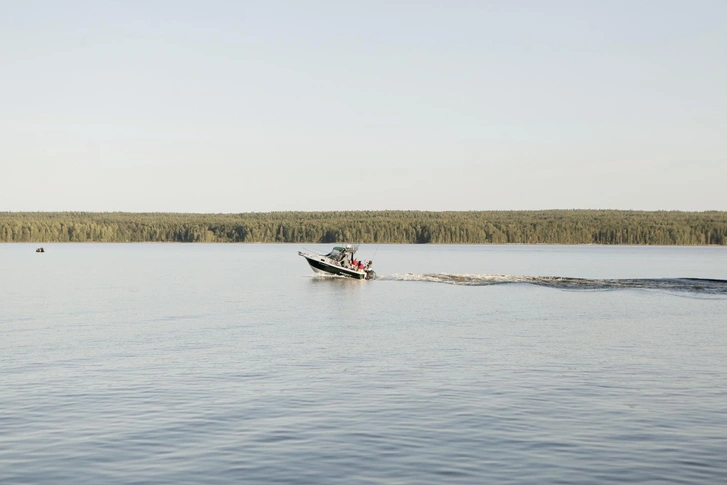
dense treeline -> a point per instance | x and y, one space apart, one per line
482 227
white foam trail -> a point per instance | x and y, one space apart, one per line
695 285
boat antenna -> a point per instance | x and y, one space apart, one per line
377 249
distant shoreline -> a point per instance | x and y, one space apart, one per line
567 227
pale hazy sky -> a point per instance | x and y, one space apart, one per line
239 106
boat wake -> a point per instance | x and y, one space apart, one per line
690 285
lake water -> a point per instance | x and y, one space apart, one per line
172 363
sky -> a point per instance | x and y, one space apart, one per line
255 106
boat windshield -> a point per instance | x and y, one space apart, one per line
337 254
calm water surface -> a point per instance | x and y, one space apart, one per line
170 363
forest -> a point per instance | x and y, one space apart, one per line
408 227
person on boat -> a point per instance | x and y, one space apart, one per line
361 265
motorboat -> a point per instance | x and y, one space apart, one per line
341 261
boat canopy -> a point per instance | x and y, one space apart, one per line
340 252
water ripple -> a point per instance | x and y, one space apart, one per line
189 369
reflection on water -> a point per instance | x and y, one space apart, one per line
335 280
